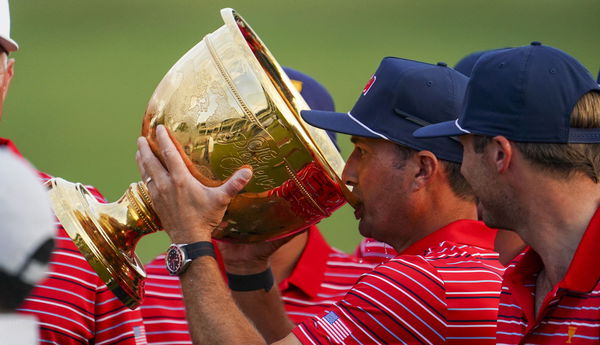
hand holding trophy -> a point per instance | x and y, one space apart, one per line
226 103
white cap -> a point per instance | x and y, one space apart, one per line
5 41
26 220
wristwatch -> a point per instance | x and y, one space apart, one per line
179 256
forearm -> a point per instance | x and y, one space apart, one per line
189 211
267 312
213 316
254 288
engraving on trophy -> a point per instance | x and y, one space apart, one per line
256 152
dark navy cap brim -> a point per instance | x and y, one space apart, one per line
337 122
442 129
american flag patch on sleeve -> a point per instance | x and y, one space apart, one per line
334 327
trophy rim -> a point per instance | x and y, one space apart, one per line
229 16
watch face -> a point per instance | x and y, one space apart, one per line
174 259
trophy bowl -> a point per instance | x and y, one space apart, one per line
226 103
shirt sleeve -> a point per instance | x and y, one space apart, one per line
74 306
400 302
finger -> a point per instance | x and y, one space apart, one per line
169 152
149 165
147 179
237 182
140 166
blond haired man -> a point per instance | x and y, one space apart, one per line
531 136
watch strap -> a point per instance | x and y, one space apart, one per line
198 249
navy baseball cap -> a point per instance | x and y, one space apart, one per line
400 97
316 95
466 64
525 94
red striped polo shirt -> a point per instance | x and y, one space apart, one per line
445 288
570 313
321 277
73 305
371 250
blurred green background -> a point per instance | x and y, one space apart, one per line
86 69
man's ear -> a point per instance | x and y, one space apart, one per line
6 78
501 153
428 165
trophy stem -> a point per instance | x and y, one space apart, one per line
139 199
107 234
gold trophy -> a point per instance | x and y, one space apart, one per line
226 103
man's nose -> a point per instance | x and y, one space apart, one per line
349 173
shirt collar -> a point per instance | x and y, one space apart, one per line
526 268
584 271
465 231
310 269
10 145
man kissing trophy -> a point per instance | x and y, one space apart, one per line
227 103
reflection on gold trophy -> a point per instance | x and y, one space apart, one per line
225 103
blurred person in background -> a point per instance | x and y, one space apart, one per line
26 241
310 274
72 305
466 64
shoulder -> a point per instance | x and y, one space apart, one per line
463 257
337 257
343 270
446 262
469 274
409 275
371 250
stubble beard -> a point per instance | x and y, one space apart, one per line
502 213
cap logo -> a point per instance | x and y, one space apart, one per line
369 84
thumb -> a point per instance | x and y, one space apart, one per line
237 182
